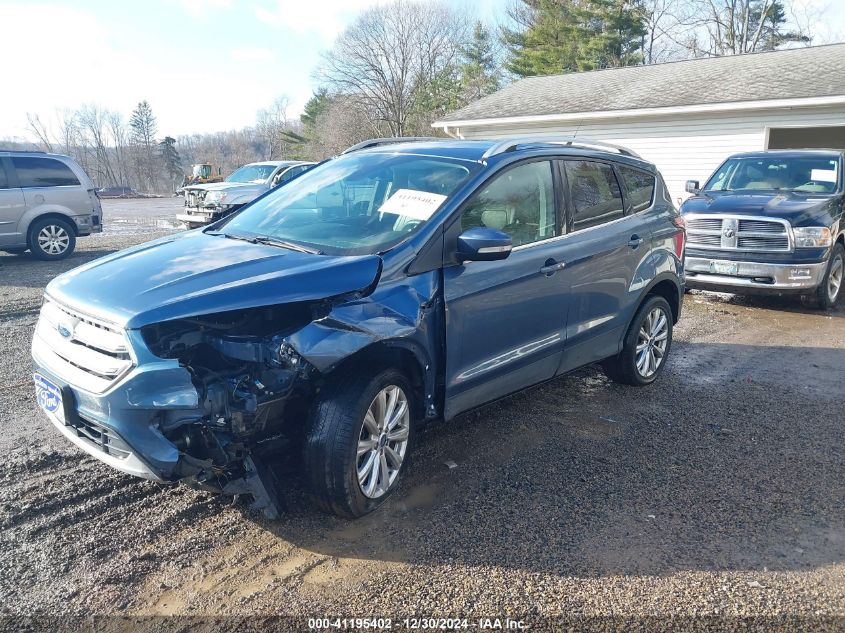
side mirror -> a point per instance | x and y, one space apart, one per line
483 244
692 186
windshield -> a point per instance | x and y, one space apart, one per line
354 205
808 174
252 173
202 171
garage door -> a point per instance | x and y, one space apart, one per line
798 137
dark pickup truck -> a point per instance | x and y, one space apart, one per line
769 222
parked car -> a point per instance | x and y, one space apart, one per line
210 202
769 222
46 202
383 289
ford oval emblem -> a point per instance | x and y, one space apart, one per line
64 330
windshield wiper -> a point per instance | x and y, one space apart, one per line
274 241
231 236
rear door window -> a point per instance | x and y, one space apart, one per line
594 194
639 187
36 171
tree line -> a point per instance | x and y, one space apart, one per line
401 65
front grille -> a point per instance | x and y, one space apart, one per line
760 226
705 224
756 243
194 198
102 437
85 352
736 233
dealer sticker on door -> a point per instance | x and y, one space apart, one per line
48 396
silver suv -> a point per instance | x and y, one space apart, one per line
46 202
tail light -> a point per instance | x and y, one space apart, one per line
680 236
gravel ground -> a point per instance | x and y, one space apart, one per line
718 491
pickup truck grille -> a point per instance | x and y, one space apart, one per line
737 233
194 198
87 353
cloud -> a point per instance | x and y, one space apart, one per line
252 55
201 8
328 20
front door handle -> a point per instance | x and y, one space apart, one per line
635 241
551 267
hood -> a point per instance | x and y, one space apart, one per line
788 205
193 274
220 186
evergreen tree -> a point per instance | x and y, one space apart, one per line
559 36
480 69
170 157
318 104
142 133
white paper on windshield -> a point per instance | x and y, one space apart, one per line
823 175
419 205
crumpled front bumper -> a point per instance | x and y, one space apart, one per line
740 276
121 426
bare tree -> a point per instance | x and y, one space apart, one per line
273 126
661 20
93 122
387 59
35 126
735 27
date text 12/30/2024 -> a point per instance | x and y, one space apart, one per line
418 624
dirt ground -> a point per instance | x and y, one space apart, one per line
717 491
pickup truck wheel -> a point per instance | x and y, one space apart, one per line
51 239
646 345
358 441
830 289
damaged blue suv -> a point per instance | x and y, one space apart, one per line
396 284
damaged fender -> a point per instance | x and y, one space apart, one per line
401 314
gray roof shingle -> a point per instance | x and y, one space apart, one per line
795 73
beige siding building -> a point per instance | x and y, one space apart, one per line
686 117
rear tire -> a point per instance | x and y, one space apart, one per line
646 345
51 239
356 445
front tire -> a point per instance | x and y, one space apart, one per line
358 440
51 239
830 289
646 345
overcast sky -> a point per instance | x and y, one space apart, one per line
204 65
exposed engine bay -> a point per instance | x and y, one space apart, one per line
253 391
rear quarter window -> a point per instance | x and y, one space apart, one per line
639 186
594 193
4 181
43 172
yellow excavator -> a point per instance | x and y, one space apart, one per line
201 173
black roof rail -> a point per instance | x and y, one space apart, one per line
509 144
393 140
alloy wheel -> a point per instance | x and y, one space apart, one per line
652 341
834 279
383 441
53 239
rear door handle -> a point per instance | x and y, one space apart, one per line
635 241
552 267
